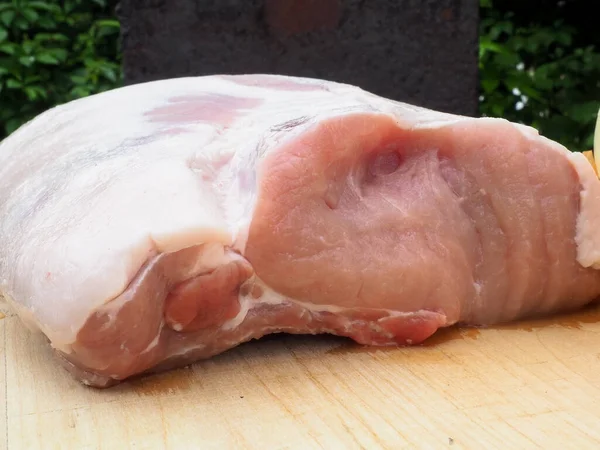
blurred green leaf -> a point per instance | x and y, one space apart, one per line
59 53
109 73
13 84
30 14
47 58
52 52
8 48
27 47
490 85
12 124
7 17
108 23
47 23
27 61
44 6
583 112
20 23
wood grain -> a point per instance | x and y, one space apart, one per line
529 385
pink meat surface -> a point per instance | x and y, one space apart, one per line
158 224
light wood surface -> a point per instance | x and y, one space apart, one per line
528 385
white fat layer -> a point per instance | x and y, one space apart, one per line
587 235
156 340
246 303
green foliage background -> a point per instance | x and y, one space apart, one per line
54 51
539 61
540 65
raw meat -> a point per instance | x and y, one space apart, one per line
154 225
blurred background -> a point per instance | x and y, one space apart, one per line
538 61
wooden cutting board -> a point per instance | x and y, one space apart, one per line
528 385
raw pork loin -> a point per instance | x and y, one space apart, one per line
154 225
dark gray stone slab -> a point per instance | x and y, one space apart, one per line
419 51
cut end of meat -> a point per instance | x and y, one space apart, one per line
367 212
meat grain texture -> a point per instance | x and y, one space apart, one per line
158 224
